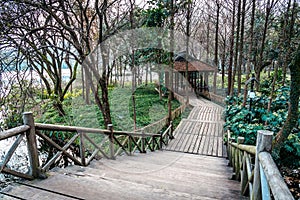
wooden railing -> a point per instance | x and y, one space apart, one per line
112 144
19 132
255 168
158 125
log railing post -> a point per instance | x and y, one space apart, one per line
82 149
153 143
129 145
143 142
238 158
161 140
32 145
263 143
111 142
244 175
171 136
229 146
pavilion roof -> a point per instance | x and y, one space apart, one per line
193 66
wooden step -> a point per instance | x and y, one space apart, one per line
158 175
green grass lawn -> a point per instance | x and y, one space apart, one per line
149 108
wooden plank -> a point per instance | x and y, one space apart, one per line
215 143
207 140
187 135
194 138
220 147
224 150
160 175
203 139
190 136
175 143
211 139
199 138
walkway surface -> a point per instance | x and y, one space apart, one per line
156 175
168 174
202 132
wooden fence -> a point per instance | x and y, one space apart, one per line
158 125
113 143
255 168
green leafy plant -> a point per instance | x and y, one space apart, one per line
245 122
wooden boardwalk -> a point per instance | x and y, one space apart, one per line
155 175
202 132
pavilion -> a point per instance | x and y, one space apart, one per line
198 73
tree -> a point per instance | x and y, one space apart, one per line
249 54
288 32
85 25
36 42
241 46
230 76
293 112
261 62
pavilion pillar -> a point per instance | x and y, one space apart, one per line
201 82
206 81
167 77
215 82
177 81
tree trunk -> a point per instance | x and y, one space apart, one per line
223 67
273 87
59 107
133 88
147 73
290 31
188 33
283 57
231 50
87 87
134 73
216 48
293 113
83 83
171 60
224 57
260 66
208 40
217 34
237 46
241 47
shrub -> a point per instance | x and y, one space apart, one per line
245 122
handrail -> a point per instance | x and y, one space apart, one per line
112 145
255 168
276 183
248 148
54 127
158 125
20 133
117 142
13 132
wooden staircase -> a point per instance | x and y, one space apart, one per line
155 175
